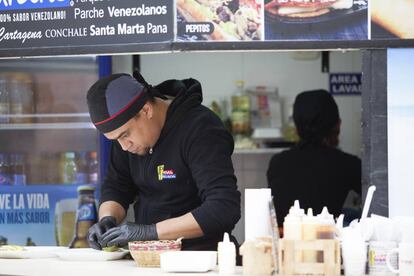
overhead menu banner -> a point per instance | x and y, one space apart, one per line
51 23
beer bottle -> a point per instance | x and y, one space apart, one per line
86 216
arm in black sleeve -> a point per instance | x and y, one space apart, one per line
117 185
209 158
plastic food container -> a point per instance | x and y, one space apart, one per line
147 253
188 261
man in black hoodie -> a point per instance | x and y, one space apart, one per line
171 156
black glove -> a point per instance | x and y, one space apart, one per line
98 229
120 236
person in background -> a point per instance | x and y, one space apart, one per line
170 156
314 170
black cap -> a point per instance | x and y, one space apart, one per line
315 113
114 100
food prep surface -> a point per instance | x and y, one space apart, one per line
55 266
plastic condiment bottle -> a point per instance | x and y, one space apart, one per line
226 256
309 229
326 228
292 224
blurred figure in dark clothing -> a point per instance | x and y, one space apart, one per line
314 171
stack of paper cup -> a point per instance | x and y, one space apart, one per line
354 252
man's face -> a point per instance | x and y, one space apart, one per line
139 134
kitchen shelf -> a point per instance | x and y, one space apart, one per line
57 64
77 125
47 115
84 124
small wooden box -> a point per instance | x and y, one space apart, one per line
290 257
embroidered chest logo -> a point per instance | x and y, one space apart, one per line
165 174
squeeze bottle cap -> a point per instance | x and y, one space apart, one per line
325 218
295 210
310 218
226 238
295 213
226 244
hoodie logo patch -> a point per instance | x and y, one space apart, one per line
165 174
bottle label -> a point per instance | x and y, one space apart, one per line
93 178
19 179
4 179
16 108
69 173
87 212
240 122
4 110
81 178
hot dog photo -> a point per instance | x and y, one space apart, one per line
219 20
316 19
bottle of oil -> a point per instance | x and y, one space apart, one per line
86 216
289 131
240 104
69 168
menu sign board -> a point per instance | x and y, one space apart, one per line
50 23
270 20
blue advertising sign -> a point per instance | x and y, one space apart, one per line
41 214
345 83
6 5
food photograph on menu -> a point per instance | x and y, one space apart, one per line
392 19
219 20
316 19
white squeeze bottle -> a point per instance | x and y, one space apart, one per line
309 230
326 228
292 225
226 256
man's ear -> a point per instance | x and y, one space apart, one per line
147 110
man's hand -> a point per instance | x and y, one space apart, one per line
98 229
120 236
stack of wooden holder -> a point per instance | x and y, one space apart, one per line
291 252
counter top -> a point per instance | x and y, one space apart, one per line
55 266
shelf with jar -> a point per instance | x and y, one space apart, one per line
44 99
46 121
48 168
255 120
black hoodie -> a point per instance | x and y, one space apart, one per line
190 170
